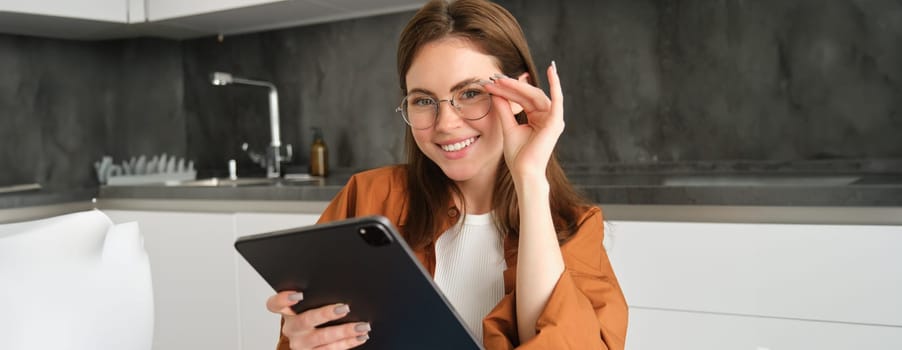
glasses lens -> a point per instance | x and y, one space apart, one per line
419 110
473 102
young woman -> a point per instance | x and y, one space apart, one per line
482 199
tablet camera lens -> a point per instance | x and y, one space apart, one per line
374 237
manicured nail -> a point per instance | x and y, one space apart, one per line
483 82
362 337
500 76
363 327
342 309
554 65
296 297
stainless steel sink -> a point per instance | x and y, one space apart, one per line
217 182
246 182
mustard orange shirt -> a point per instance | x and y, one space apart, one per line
586 309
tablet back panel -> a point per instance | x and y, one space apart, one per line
364 263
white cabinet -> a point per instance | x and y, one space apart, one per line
210 17
179 19
137 11
96 10
651 329
689 285
744 281
259 327
124 11
193 269
166 9
205 295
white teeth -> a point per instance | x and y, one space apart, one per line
458 146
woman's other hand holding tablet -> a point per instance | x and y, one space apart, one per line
301 331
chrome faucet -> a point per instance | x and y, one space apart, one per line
274 157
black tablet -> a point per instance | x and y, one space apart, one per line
364 263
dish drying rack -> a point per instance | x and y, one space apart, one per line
161 169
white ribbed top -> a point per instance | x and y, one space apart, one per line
469 268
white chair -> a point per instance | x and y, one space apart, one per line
74 282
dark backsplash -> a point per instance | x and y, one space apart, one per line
645 81
64 104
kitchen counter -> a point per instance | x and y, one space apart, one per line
313 199
871 183
686 190
19 206
45 197
714 186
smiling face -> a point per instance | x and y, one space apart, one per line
465 150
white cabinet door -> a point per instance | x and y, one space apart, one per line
676 330
97 10
166 9
193 267
837 273
259 327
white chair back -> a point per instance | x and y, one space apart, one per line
74 282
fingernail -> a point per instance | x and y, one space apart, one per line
296 297
362 337
483 82
500 76
342 309
363 327
554 65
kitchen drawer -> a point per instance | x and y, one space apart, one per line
844 273
674 330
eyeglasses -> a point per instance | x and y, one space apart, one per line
420 110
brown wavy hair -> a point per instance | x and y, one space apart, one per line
497 33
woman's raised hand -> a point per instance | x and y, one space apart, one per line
528 147
301 331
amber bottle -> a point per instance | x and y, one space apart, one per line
319 155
